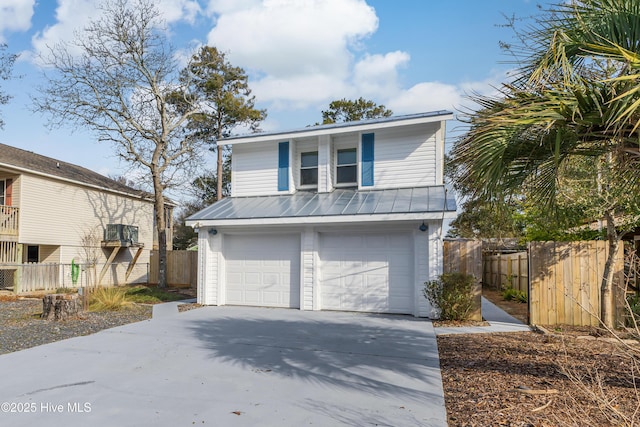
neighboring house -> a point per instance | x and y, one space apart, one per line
334 217
56 212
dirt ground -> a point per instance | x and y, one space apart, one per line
568 377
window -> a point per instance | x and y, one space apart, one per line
2 192
33 254
347 167
309 168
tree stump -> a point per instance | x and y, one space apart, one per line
60 306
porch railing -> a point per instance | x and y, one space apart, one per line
8 220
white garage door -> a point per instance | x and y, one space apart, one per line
263 270
367 272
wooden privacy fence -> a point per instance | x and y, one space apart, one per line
465 256
506 270
182 268
565 282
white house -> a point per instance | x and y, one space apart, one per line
334 217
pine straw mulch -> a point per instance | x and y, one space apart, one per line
535 379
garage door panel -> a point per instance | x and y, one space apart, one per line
367 272
375 241
263 270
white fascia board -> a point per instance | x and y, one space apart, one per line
285 136
333 219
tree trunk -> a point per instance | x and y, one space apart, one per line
60 306
162 258
161 226
606 286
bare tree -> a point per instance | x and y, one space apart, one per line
6 66
119 78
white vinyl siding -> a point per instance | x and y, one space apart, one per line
308 272
209 267
405 157
59 214
255 170
49 254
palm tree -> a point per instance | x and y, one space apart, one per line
565 132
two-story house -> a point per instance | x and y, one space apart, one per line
54 212
345 216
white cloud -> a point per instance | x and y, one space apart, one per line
426 96
15 15
298 49
73 15
298 91
179 10
376 76
70 16
217 7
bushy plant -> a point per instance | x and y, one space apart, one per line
633 315
452 294
108 299
511 294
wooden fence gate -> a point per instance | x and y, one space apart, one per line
565 282
182 268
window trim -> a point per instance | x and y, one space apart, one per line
316 167
337 165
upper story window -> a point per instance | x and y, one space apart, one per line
347 167
309 168
2 192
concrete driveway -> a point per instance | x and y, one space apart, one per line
232 366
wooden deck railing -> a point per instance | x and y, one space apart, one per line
8 220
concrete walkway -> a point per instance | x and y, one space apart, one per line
161 311
232 366
498 319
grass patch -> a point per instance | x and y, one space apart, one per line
151 295
66 291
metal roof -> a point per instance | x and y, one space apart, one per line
304 204
428 116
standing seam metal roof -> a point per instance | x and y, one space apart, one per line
338 202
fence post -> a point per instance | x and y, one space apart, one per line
17 280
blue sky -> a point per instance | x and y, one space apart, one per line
410 55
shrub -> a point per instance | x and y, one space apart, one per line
633 315
452 294
511 294
108 299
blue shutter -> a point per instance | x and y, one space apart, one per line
367 160
283 166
